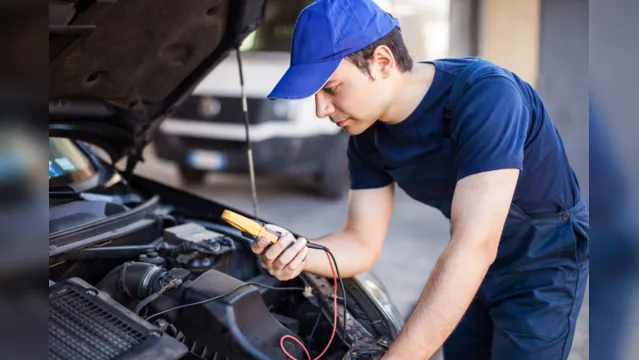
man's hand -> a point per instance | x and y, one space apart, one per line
285 259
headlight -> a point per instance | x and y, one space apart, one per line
378 293
283 110
280 109
209 107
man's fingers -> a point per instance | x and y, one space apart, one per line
284 259
295 267
289 254
263 262
274 251
258 246
298 259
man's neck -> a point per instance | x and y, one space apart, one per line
411 89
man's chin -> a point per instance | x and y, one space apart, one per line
354 129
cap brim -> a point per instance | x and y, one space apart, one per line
302 81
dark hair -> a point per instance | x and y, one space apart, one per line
395 43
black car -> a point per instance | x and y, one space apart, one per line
141 270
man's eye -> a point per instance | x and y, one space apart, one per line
331 90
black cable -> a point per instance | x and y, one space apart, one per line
147 301
339 277
174 283
223 295
317 320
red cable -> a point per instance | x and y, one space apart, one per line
334 321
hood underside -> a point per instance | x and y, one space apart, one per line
118 67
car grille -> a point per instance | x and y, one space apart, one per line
79 328
228 110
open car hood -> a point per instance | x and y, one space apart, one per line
118 67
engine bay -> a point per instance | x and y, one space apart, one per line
141 270
195 280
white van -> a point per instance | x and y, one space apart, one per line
207 132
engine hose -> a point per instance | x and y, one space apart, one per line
131 280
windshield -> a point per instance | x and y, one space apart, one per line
67 163
276 31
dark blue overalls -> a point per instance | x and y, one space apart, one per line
527 305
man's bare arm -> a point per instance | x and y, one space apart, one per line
479 210
358 244
355 247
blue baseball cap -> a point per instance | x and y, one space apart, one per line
326 31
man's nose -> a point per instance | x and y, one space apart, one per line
323 106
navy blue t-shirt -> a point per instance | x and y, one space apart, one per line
499 123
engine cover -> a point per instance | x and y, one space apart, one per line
237 326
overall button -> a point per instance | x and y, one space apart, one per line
565 216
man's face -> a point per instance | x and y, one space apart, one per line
351 100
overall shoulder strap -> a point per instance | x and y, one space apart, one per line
457 92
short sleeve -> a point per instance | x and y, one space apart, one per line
365 169
490 127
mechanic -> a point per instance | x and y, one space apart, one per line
464 136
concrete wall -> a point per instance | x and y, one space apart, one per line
563 77
425 26
464 37
509 35
506 32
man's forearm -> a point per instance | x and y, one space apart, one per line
446 296
352 256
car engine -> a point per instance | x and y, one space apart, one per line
107 298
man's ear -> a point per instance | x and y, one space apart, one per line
383 59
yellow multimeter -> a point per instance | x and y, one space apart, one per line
249 227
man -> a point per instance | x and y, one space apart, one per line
468 138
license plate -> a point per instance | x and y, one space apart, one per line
206 160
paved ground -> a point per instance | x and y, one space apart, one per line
416 237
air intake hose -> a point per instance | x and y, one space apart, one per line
132 281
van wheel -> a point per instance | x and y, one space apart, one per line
191 176
333 178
